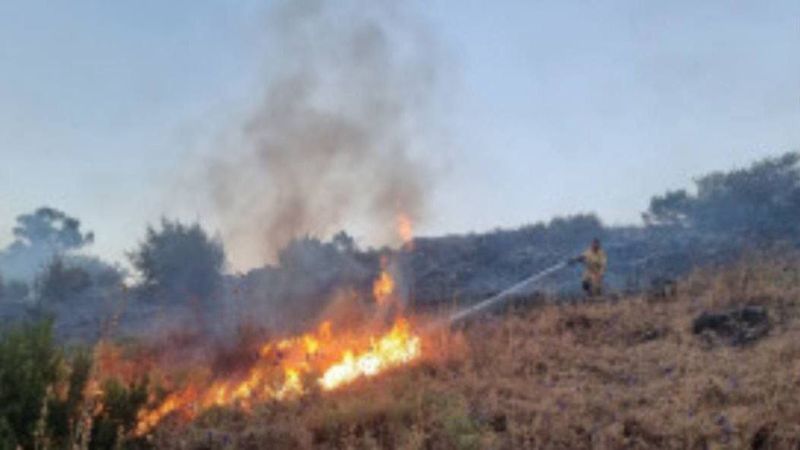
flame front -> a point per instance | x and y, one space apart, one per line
383 287
397 347
283 369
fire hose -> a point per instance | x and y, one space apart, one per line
517 289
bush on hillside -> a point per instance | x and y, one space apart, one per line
179 260
60 281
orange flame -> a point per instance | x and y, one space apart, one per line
280 372
405 229
383 287
397 347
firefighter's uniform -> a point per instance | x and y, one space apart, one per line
595 263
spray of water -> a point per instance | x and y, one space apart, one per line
521 288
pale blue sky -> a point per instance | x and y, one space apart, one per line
557 106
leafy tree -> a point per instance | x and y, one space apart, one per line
101 273
761 202
60 282
53 228
313 258
344 243
37 238
179 260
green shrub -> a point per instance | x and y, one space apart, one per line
64 413
43 396
117 419
30 364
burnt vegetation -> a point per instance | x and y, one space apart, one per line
668 343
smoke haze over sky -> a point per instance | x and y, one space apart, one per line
550 107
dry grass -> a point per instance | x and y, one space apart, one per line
623 374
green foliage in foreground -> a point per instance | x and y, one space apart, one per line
30 365
43 401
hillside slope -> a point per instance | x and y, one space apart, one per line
624 374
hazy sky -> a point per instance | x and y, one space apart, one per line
553 107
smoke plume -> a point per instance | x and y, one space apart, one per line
336 137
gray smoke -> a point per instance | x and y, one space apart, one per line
332 142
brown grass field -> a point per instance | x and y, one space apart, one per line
625 373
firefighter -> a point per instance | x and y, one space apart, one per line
594 260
